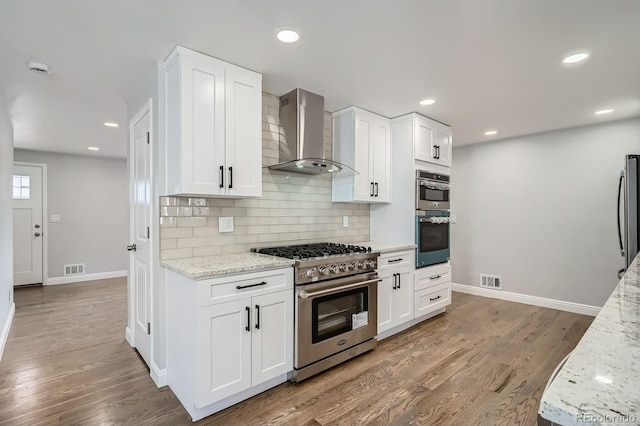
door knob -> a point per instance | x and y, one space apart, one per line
37 234
37 226
132 247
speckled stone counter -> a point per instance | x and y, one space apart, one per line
384 247
600 382
214 266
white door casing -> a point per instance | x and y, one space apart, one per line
140 291
28 225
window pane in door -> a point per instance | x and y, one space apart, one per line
21 187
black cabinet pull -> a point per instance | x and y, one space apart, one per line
435 278
376 186
395 260
248 327
438 151
399 280
257 317
230 177
240 287
371 190
435 152
435 298
221 176
395 281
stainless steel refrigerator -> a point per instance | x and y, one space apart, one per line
628 229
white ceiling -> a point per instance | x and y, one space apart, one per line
489 64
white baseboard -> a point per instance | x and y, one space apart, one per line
5 330
128 335
560 305
86 277
159 376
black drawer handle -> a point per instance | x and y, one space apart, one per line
435 278
435 298
240 287
248 327
395 260
395 281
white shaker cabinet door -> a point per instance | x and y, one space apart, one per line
363 182
380 144
243 173
423 140
403 300
202 125
442 141
224 351
272 336
386 293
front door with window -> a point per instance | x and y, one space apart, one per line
27 225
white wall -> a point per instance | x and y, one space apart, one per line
90 194
6 226
540 210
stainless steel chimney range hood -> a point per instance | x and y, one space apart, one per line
302 135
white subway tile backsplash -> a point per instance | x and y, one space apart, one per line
293 209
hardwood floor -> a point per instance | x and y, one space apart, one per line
485 361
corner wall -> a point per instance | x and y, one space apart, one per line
7 306
540 211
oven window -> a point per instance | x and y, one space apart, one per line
427 194
332 314
433 236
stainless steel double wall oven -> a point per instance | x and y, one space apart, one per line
336 300
432 218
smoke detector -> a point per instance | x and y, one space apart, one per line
40 68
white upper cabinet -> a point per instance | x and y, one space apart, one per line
432 141
361 139
213 127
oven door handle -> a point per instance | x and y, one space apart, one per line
304 295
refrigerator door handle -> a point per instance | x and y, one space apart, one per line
619 211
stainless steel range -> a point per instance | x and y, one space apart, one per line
336 303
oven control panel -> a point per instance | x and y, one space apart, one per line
323 269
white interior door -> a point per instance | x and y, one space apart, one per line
27 225
140 260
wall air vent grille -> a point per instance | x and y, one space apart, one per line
75 269
491 281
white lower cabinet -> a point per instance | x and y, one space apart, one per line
228 338
395 291
432 289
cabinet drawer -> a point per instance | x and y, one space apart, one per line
224 289
431 299
397 259
432 276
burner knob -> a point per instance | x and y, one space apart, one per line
323 270
333 269
371 264
361 264
342 267
352 266
311 272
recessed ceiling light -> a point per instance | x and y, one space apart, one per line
287 35
490 132
603 111
577 57
425 102
93 148
109 124
40 68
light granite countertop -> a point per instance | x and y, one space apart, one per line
214 266
384 246
600 382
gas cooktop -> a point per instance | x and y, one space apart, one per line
325 261
312 251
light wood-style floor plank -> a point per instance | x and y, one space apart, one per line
484 362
